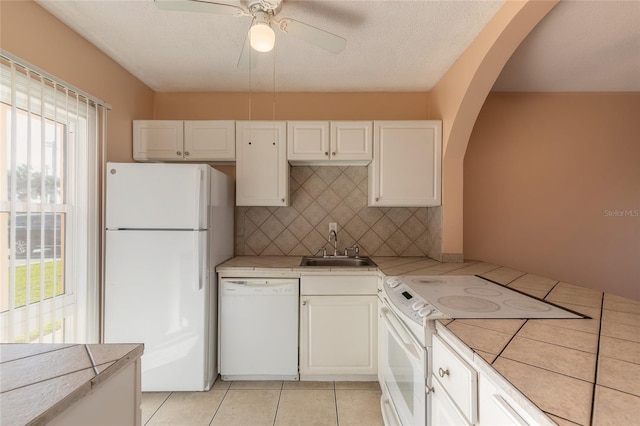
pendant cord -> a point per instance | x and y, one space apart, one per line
250 82
273 100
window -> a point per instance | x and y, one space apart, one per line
50 145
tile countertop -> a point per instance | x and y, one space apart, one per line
39 381
579 372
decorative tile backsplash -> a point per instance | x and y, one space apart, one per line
320 195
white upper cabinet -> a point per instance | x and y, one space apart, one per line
407 163
210 140
332 143
262 171
177 140
158 140
307 140
351 141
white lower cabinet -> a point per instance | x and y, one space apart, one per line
116 401
466 390
495 408
444 411
338 327
457 378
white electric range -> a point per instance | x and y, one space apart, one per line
408 308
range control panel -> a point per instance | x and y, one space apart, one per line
408 302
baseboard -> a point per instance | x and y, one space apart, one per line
452 258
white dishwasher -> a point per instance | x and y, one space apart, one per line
259 328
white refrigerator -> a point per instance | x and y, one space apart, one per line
167 227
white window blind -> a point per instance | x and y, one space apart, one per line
51 148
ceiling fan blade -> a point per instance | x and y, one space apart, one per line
200 6
248 59
321 38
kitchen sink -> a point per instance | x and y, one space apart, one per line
336 261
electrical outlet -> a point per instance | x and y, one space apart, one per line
333 226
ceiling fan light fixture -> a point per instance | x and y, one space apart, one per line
261 37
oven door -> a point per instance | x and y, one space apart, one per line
403 364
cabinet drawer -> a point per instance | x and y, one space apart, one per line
457 377
338 284
444 411
496 408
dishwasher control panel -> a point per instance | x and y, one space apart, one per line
257 286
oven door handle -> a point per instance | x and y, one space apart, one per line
389 416
396 331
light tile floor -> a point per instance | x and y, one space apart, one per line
249 403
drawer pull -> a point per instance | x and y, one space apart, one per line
442 372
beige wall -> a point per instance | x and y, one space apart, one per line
545 178
292 106
459 95
34 35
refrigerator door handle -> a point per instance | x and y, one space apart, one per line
197 208
200 260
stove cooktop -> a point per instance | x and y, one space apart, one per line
470 296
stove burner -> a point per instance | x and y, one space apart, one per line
527 305
469 304
482 291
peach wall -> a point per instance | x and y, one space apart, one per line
34 35
291 106
459 95
552 187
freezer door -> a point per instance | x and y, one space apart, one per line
157 293
157 196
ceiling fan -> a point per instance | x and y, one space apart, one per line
260 36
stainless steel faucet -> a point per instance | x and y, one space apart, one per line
334 234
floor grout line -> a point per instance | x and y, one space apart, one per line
158 409
335 400
207 406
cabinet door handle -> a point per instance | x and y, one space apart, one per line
179 153
186 153
333 154
304 303
326 154
282 200
442 372
429 389
377 199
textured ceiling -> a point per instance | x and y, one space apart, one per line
393 45
579 46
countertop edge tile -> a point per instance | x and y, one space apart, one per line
118 365
76 392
